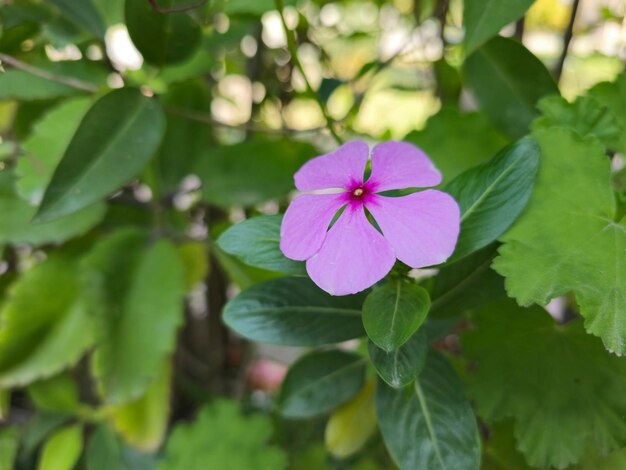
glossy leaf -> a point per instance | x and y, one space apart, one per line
400 367
568 240
351 425
319 382
484 19
251 172
580 385
393 312
438 428
143 288
162 38
295 312
507 80
457 141
221 437
112 144
63 449
45 333
493 195
256 242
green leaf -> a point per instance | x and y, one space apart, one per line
58 393
113 143
393 312
321 381
507 80
63 449
523 358
493 195
162 38
104 451
256 242
295 312
143 289
251 172
429 425
17 228
184 140
484 19
567 239
586 115
457 141
467 284
143 422
252 7
221 437
613 96
46 326
400 367
83 14
9 444
46 145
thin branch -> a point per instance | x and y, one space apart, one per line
519 28
68 81
177 8
567 38
293 50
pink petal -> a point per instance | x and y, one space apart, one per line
306 222
342 168
422 227
353 257
400 165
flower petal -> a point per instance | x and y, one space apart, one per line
422 227
306 222
353 257
400 165
342 168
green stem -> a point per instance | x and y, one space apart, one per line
293 50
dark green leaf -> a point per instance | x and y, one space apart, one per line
251 172
9 444
104 451
484 19
401 366
58 393
83 14
162 38
493 195
112 144
295 312
466 284
613 96
507 80
320 382
252 7
429 425
393 312
457 141
256 242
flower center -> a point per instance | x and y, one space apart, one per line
358 192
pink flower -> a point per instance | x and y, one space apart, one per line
420 229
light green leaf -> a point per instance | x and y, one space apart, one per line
465 285
143 289
162 38
46 326
221 437
429 425
523 358
63 449
46 145
83 14
256 242
507 80
400 367
321 381
17 228
493 195
457 141
143 422
295 312
58 393
613 96
484 19
251 172
9 444
113 143
393 312
567 240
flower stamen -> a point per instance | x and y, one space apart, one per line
358 192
